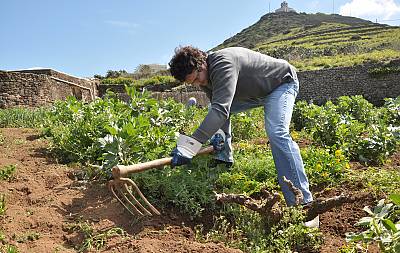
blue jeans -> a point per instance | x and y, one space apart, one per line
278 108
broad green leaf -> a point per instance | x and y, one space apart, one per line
112 130
389 225
368 210
395 198
385 210
364 221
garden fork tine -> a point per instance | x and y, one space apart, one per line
124 189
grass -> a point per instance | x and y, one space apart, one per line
345 60
94 240
325 47
7 172
376 180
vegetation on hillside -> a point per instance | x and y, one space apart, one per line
314 41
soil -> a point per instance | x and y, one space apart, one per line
45 199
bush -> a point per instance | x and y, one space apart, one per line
362 131
118 80
324 167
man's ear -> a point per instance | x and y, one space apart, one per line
203 66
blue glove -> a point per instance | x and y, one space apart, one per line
186 148
218 141
178 159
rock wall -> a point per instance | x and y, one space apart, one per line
321 85
34 88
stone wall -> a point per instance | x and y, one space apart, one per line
34 88
322 85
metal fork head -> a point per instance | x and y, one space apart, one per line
125 190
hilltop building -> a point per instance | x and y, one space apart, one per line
284 8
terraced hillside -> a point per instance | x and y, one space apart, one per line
314 41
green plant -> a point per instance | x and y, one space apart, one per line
363 132
357 107
248 125
94 240
29 236
253 170
23 117
109 131
9 249
324 167
2 204
378 181
118 81
378 143
383 70
2 139
383 225
244 229
7 171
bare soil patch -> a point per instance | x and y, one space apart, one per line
45 198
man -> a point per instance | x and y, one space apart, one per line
237 79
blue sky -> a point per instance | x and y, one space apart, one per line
87 37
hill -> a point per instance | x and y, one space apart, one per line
313 41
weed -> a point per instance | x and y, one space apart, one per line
19 141
29 236
378 181
244 229
2 204
2 236
91 239
6 172
2 139
9 249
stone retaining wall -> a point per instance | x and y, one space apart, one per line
34 88
322 85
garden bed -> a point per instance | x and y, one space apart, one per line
50 209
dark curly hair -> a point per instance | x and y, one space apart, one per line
185 61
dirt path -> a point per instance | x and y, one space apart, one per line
43 201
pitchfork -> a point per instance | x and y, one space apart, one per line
124 188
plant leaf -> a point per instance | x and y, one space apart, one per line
389 225
395 198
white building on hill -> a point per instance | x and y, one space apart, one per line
284 8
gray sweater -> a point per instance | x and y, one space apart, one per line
238 74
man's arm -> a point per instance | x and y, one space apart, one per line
223 76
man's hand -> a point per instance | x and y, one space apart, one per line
178 159
186 148
218 140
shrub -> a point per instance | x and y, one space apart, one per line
324 167
118 80
362 131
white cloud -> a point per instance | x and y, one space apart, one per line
371 9
121 24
